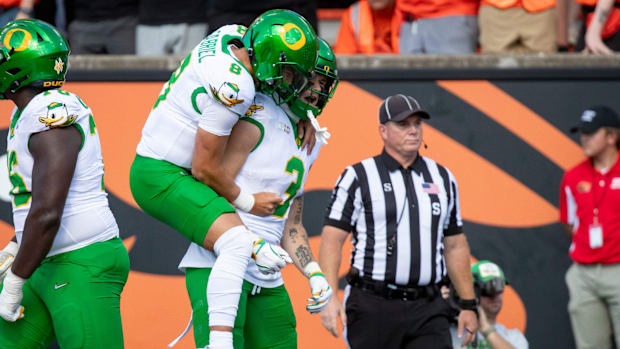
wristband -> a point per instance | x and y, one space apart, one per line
12 247
244 201
488 332
468 304
311 268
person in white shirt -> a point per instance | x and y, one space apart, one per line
489 281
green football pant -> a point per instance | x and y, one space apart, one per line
170 194
75 298
265 318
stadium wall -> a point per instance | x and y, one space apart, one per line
500 123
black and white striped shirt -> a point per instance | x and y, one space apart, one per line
398 217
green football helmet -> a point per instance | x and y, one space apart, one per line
279 40
489 278
326 70
34 53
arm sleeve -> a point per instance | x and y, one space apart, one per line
517 339
345 42
344 206
454 223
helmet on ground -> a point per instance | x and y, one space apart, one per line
326 71
488 278
280 40
34 53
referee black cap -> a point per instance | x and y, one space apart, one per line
399 107
596 117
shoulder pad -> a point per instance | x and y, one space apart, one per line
54 108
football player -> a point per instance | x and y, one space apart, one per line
70 265
264 153
178 175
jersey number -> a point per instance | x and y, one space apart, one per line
235 68
175 76
293 165
21 194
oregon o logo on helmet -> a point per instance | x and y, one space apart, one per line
292 36
14 40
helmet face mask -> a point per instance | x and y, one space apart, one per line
289 84
329 82
33 54
322 85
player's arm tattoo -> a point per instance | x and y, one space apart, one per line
303 254
296 234
302 251
292 233
298 212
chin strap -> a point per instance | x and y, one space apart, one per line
322 135
187 328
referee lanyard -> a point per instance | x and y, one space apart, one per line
595 229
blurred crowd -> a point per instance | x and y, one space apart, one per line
160 27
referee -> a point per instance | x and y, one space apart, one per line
403 212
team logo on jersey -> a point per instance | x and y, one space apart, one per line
59 65
253 109
584 187
292 36
17 39
227 94
615 183
57 116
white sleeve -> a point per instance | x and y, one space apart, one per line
218 119
517 339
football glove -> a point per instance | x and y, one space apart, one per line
11 297
269 258
7 255
319 287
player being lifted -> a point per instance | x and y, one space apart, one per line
264 153
178 175
70 266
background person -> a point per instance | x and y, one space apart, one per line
489 283
71 266
590 212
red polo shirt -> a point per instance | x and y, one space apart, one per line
585 191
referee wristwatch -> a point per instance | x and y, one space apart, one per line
468 304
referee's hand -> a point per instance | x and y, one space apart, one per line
330 314
468 326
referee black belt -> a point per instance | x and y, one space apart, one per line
391 291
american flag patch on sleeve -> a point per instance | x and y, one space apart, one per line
430 188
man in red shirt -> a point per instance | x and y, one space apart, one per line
590 211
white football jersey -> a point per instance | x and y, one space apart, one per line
86 217
211 89
278 165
